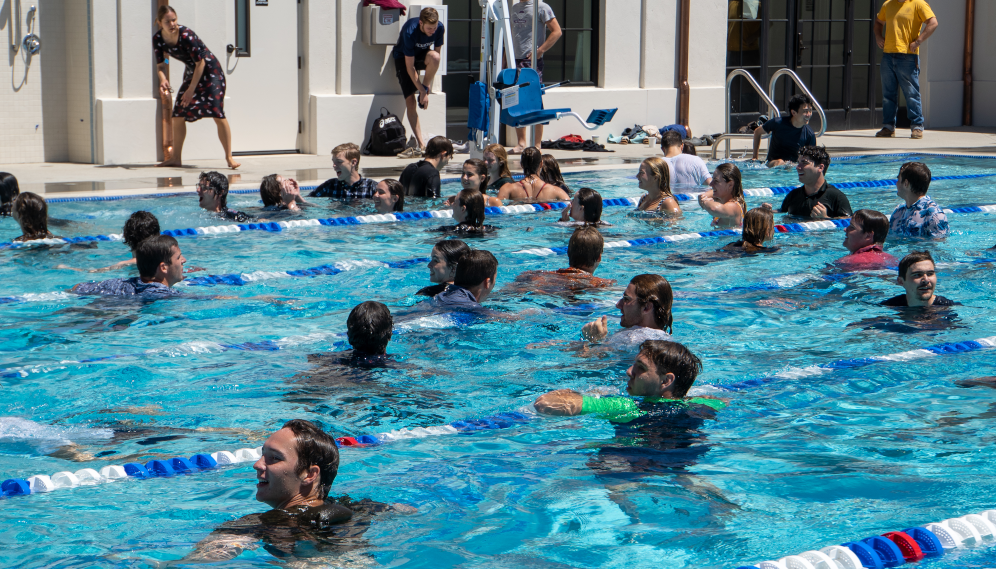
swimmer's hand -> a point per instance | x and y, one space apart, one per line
596 331
565 214
819 212
562 403
449 201
194 269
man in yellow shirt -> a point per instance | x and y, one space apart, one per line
900 29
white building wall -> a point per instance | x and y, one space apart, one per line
21 132
984 65
941 64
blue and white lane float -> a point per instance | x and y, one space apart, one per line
895 548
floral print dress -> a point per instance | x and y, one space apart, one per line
209 93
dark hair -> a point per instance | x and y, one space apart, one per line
672 357
369 327
874 221
655 289
139 227
585 247
550 173
163 10
8 191
730 171
818 154
438 146
689 148
797 101
913 258
218 183
315 447
451 250
917 174
474 267
591 201
473 200
398 191
32 215
269 190
671 138
152 251
482 170
532 161
759 226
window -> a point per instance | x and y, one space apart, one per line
575 56
242 28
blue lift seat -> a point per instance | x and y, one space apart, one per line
530 109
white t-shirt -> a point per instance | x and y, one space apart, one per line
688 170
522 27
632 337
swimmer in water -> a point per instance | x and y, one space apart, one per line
368 330
864 238
443 265
160 266
725 201
31 212
468 212
758 227
212 195
140 226
585 209
280 193
475 277
584 252
918 275
389 196
299 463
645 314
655 179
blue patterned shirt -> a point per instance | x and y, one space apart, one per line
922 219
126 287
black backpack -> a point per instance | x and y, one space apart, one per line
387 135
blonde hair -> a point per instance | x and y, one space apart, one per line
662 171
502 156
428 16
350 150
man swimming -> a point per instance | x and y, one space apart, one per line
160 266
645 309
473 282
584 254
918 275
368 330
864 238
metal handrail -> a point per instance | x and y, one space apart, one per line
798 83
772 107
727 137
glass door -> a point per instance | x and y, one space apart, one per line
463 37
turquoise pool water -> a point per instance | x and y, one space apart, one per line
791 465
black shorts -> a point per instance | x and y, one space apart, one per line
407 87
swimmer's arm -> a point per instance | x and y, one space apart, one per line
221 546
759 132
505 193
561 403
728 209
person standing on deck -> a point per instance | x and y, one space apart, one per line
419 48
900 29
522 45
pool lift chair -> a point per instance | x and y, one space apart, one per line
517 92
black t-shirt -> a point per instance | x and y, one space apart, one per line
497 184
421 180
237 216
786 140
797 203
900 300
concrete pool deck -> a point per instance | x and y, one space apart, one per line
66 180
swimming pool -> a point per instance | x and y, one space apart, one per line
792 465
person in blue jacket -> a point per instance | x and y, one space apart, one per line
418 49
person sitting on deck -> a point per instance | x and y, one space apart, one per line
389 196
421 179
920 216
585 209
475 277
212 192
645 314
655 179
725 201
532 188
584 253
294 476
918 275
443 265
468 212
815 199
30 212
864 238
348 183
160 266
788 134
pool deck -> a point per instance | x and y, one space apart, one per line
66 180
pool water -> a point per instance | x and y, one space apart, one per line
791 465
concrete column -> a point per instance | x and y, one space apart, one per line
707 66
941 67
320 64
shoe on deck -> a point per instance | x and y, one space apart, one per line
885 133
410 153
917 133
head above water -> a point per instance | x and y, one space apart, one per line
496 158
477 271
8 191
728 174
389 196
269 190
800 105
369 326
550 172
212 191
346 160
439 148
31 213
468 208
531 161
586 206
584 250
159 259
759 226
663 369
647 302
867 227
817 156
671 139
298 466
443 261
914 178
659 173
918 275
140 226
475 175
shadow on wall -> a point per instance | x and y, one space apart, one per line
372 71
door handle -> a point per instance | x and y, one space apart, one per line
800 45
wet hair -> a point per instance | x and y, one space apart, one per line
655 289
672 357
398 191
913 258
818 154
502 156
662 171
451 250
315 447
917 174
369 327
671 138
269 190
532 161
482 170
349 150
438 145
428 16
473 200
759 226
550 173
585 247
8 191
140 226
729 171
474 267
163 10
218 183
688 148
32 215
591 201
152 251
797 101
874 221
